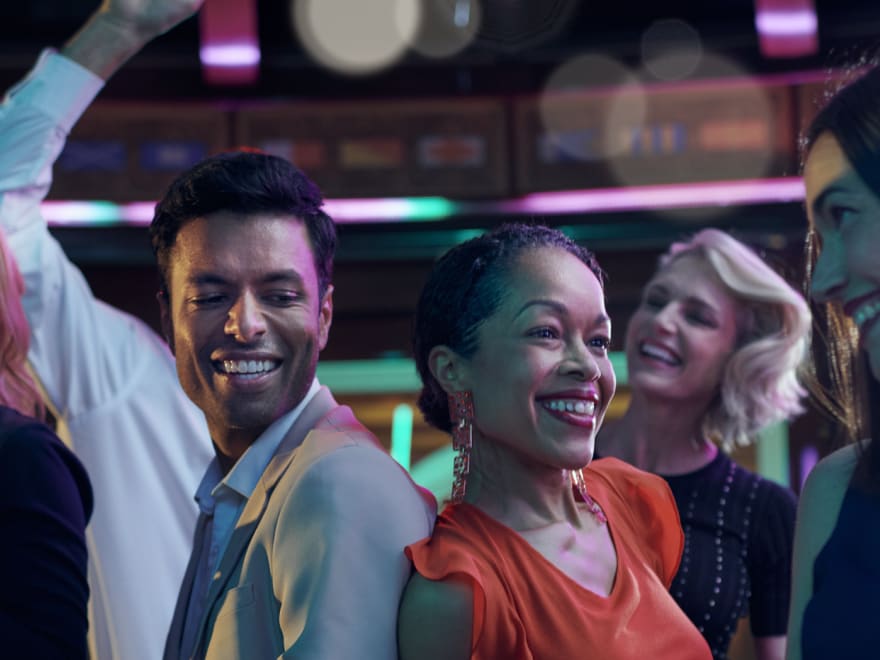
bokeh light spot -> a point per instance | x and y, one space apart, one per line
356 38
447 27
671 49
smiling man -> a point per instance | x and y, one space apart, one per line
299 547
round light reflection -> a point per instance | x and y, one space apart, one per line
447 27
671 49
356 38
587 105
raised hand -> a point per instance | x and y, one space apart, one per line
147 18
120 28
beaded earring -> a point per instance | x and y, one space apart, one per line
461 413
577 480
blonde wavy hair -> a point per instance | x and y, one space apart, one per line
17 388
761 382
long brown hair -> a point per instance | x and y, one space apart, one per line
852 116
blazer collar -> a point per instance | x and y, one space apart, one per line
319 411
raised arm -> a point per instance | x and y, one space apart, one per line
111 379
81 350
120 28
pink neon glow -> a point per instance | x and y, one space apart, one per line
787 23
719 193
345 211
230 46
230 55
367 210
787 28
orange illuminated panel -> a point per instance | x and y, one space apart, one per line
661 134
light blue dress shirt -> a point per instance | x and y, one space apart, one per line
221 500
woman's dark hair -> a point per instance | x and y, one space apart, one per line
247 183
852 116
464 288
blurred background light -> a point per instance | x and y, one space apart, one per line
230 46
356 38
671 49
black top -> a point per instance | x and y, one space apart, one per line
45 503
739 531
842 620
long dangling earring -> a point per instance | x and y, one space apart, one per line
577 480
461 413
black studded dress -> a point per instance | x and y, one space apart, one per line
739 530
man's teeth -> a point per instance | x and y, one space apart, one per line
572 405
866 312
247 366
659 354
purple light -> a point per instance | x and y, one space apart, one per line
415 209
230 46
809 458
787 23
786 28
230 55
646 198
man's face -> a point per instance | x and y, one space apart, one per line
245 320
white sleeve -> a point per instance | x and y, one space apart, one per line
72 335
111 378
338 565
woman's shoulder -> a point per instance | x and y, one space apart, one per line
34 460
626 481
462 540
827 483
26 436
643 504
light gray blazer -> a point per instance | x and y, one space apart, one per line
315 565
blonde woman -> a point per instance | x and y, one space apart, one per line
45 503
713 352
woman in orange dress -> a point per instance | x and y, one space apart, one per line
541 554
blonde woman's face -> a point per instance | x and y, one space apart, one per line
682 334
845 213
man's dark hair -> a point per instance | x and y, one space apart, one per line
247 183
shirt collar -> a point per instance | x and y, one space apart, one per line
245 474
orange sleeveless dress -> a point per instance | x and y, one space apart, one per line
527 609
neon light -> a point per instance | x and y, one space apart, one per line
390 209
647 198
97 213
230 55
787 28
772 453
600 200
401 434
787 23
230 46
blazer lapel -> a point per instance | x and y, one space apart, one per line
175 634
318 408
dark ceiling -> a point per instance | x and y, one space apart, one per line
519 43
517 49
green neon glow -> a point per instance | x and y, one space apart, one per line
370 376
772 454
398 375
401 434
429 208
